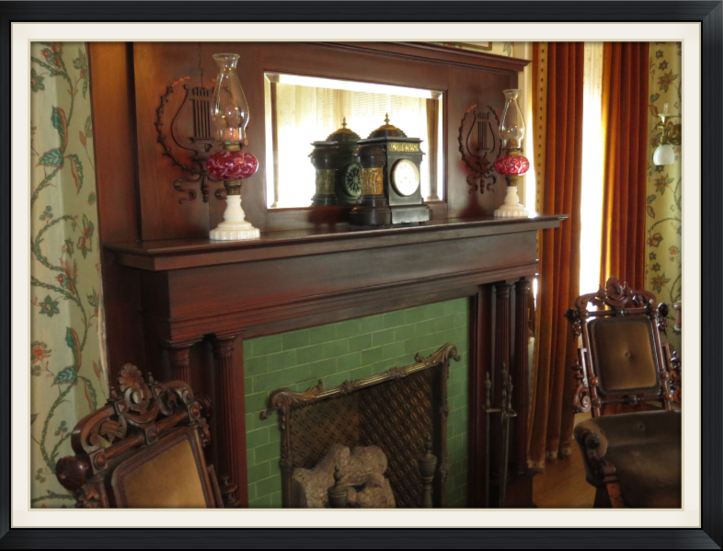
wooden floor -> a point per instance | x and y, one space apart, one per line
563 485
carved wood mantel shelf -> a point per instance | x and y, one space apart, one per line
195 290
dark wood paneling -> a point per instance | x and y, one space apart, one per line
115 169
466 78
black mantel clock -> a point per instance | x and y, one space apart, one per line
391 185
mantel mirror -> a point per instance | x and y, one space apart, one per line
317 121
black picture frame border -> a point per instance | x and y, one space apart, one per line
708 13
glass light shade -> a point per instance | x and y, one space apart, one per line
229 109
664 155
512 126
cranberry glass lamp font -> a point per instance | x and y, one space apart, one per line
230 116
512 164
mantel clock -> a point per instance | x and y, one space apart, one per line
390 179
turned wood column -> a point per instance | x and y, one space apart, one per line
520 376
179 353
503 330
229 406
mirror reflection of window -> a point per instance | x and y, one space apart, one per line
301 110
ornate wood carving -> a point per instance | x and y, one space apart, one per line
391 416
479 147
196 107
179 353
617 299
137 415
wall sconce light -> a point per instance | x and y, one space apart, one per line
512 164
670 134
230 116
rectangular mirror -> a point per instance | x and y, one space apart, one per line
302 110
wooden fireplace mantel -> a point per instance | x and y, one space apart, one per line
195 290
181 305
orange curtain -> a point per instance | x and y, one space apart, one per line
557 107
625 130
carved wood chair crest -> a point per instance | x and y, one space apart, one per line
619 338
139 419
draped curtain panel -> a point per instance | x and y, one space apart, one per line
664 188
67 370
625 131
558 101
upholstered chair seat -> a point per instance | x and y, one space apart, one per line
641 449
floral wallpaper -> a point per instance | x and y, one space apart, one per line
664 186
68 378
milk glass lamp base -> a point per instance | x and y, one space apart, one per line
234 227
511 207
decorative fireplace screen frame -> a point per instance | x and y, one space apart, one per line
402 407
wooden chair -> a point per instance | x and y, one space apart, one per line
144 449
633 458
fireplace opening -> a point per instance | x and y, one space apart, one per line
352 350
397 411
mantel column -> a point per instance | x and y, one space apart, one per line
230 419
179 353
521 396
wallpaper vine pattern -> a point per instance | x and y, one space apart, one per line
664 186
68 378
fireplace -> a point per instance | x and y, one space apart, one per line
353 350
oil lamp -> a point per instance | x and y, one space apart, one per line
230 116
512 164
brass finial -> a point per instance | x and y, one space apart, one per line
386 118
343 122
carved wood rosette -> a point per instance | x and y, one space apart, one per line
135 416
479 146
399 410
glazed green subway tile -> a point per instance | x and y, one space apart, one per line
348 328
257 401
334 349
361 372
310 354
260 503
362 342
256 438
256 366
335 379
380 338
347 362
267 382
267 452
250 456
323 333
263 346
394 319
295 339
443 323
268 486
393 350
248 385
371 355
258 472
371 324
282 360
405 332
425 328
276 500
460 319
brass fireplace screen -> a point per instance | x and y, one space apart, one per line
395 410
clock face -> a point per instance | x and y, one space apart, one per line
405 177
351 180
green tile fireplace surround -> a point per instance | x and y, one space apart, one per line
347 350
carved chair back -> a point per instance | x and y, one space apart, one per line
622 359
143 449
